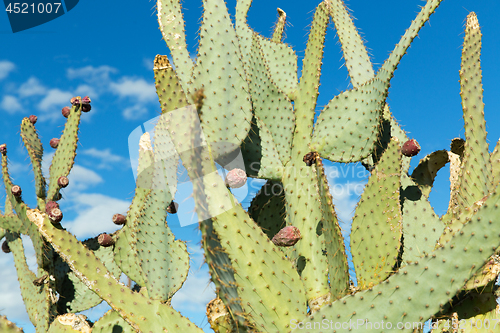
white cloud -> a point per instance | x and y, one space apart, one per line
95 212
55 99
106 157
97 75
11 104
134 112
32 87
86 90
81 178
5 68
138 89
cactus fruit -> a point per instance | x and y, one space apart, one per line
288 236
310 158
63 181
55 215
236 178
410 148
54 143
16 191
5 247
51 205
33 119
119 219
105 240
66 111
3 149
172 208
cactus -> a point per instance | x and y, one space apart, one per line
282 265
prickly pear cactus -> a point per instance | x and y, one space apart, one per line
281 265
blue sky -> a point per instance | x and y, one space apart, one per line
106 51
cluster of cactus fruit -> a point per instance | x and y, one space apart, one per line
282 264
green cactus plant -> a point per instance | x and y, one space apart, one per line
243 94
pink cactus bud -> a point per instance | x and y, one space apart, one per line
75 100
105 240
55 215
3 149
5 247
236 178
288 236
54 143
16 191
172 208
63 181
119 219
86 100
66 111
51 205
86 107
410 148
33 119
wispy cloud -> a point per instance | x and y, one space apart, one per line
105 156
32 87
136 88
90 74
134 112
5 68
10 104
52 102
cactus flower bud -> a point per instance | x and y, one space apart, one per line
105 240
172 208
63 181
66 111
16 191
75 100
86 100
5 247
119 219
54 143
55 215
236 178
3 149
410 148
288 236
33 119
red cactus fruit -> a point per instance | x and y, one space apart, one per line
55 215
63 181
3 149
119 219
66 111
33 119
54 143
410 148
5 247
236 178
16 191
86 107
288 236
105 240
172 208
51 205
